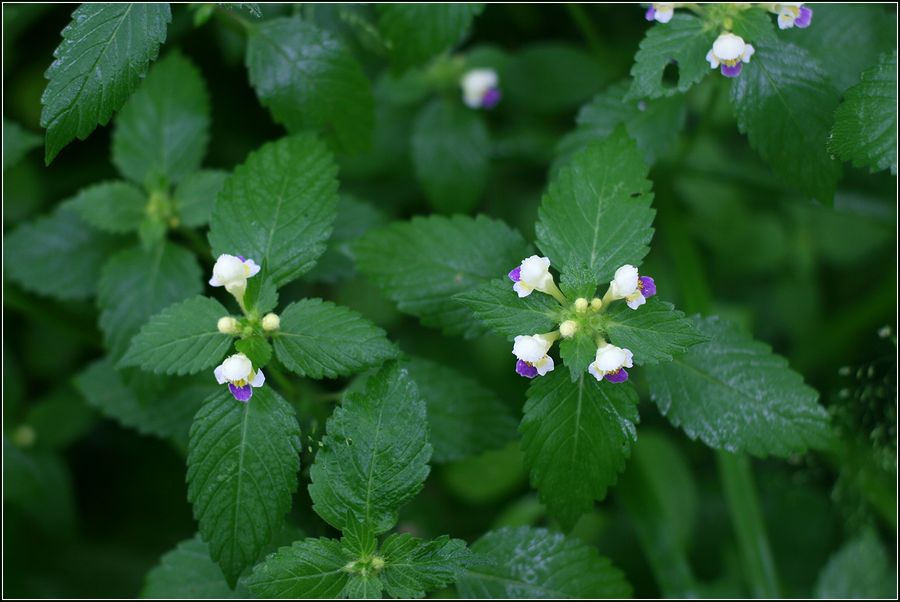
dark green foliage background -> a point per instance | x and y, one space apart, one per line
815 282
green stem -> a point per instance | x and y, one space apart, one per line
584 25
753 544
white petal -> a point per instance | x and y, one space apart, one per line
749 50
625 281
595 372
664 13
252 268
220 377
728 47
258 380
530 348
609 358
712 60
535 272
635 301
236 367
544 366
214 281
629 357
522 289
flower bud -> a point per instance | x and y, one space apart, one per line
568 328
228 325
596 304
581 304
271 322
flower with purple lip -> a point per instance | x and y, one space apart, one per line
531 354
792 14
237 371
661 12
533 274
232 272
729 52
610 363
481 88
629 285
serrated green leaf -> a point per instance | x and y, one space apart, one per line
354 219
784 102
182 339
363 587
526 562
451 151
754 24
654 123
17 142
654 332
251 7
375 453
464 418
422 263
865 124
257 349
576 438
596 211
112 206
308 79
58 255
847 38
151 405
496 305
261 295
358 538
162 131
137 283
417 32
278 207
684 40
320 339
733 393
59 418
242 462
312 568
187 571
414 567
106 50
860 569
37 483
195 196
577 353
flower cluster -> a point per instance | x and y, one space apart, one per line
237 371
533 351
729 51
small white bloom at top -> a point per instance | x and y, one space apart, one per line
661 12
531 352
610 363
271 322
481 88
729 52
237 370
792 14
228 325
232 272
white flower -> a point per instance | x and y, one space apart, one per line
534 274
629 285
531 351
610 363
661 12
729 51
232 273
792 14
271 322
480 88
237 371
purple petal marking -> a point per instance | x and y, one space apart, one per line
241 257
241 393
525 369
515 274
650 15
619 376
732 71
647 286
804 18
491 98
